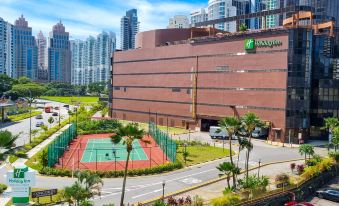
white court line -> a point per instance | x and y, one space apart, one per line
155 191
84 151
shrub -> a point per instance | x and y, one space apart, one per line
2 188
21 154
98 126
159 203
253 182
334 155
226 200
300 169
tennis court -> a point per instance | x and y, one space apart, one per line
103 150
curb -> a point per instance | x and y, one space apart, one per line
212 181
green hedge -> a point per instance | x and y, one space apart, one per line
98 125
95 132
19 117
2 188
108 174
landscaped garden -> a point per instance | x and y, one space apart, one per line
18 117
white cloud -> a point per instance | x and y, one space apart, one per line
83 19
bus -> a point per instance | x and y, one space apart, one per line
48 109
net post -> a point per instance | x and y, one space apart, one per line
150 159
79 156
96 159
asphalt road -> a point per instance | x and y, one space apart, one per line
22 127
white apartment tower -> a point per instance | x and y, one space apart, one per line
218 9
199 16
178 22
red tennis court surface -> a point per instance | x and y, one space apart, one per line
73 156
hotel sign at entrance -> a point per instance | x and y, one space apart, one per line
251 43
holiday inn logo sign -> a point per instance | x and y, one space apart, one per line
251 43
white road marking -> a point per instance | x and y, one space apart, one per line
191 181
155 191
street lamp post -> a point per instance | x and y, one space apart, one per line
30 116
259 167
163 190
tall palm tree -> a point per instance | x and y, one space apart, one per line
7 143
127 134
249 122
306 149
231 125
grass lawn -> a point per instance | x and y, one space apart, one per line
86 100
199 154
18 117
44 200
171 130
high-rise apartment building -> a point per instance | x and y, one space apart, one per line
272 20
199 16
26 51
178 22
218 9
41 42
91 60
128 29
59 55
6 48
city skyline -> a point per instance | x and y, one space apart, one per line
104 15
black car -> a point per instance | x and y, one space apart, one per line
55 114
328 194
39 117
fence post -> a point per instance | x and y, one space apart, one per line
96 159
79 157
150 155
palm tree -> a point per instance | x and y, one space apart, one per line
242 27
249 122
306 149
228 169
76 193
231 125
127 134
7 143
93 183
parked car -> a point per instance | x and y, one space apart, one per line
66 105
218 133
260 132
56 108
39 116
39 124
294 203
328 194
55 114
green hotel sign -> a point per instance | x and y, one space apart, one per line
251 43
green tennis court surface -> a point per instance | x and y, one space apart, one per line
102 150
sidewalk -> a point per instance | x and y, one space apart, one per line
5 197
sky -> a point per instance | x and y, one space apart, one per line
89 17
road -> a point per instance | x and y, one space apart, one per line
22 127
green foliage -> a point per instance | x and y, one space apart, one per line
127 134
2 188
6 83
331 123
50 120
242 27
334 155
106 126
76 193
7 143
96 87
335 138
228 168
160 203
315 170
73 100
226 200
44 158
19 117
253 182
109 174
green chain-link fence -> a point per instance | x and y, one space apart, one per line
57 148
168 146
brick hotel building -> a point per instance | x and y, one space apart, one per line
193 77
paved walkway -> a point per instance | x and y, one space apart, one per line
21 161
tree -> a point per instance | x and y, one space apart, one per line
93 183
331 123
228 169
50 120
231 125
29 91
127 134
306 149
6 83
104 111
24 80
44 127
249 122
7 144
335 138
96 87
242 27
76 193
34 133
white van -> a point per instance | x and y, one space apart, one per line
218 135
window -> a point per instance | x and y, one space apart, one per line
161 121
125 88
172 123
188 91
176 89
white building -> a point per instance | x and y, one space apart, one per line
178 22
91 59
199 16
218 9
